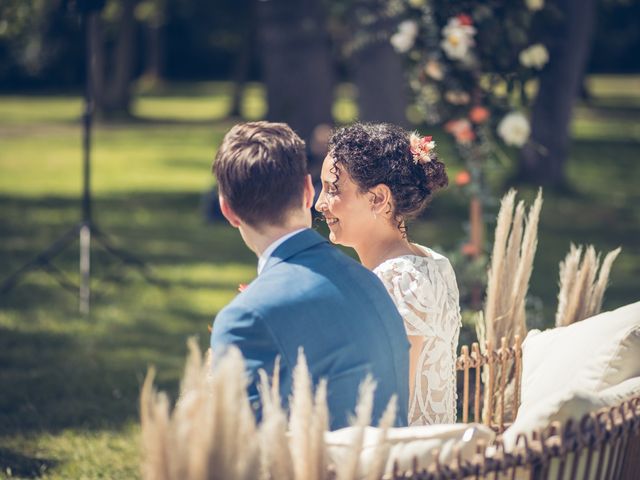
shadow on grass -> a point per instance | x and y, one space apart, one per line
15 464
52 382
161 228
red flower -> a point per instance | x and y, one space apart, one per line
463 178
465 19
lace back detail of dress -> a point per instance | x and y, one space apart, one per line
425 292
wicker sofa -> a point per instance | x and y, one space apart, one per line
599 444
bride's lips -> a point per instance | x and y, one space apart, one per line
331 220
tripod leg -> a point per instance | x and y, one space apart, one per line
125 257
61 277
42 259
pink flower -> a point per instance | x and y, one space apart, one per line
422 149
461 130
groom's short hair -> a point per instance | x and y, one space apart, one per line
261 169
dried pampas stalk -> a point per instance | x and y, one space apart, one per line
300 421
199 439
211 432
382 449
580 294
495 277
319 425
512 258
348 470
603 280
274 444
154 417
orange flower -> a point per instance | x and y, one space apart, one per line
470 250
478 114
461 130
463 178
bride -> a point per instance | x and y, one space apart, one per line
374 179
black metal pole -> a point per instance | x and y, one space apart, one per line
85 230
89 19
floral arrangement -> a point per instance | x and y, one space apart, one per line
470 63
470 69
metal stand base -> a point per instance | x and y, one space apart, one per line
85 231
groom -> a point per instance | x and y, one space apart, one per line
307 293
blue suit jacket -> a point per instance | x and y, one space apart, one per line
311 295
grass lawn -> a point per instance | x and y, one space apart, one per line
69 385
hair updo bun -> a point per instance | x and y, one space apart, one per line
380 153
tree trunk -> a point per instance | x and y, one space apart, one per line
242 66
297 67
379 77
543 159
155 52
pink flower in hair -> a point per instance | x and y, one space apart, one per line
422 149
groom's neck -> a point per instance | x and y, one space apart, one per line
259 239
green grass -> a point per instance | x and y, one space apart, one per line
69 385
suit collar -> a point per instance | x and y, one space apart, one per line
299 242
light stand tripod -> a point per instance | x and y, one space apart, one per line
86 229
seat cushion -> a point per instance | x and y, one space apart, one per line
568 404
591 356
405 444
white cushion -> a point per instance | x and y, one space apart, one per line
568 404
591 355
405 444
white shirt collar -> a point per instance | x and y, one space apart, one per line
262 261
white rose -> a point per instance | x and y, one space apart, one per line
457 39
514 129
534 5
535 56
409 27
405 37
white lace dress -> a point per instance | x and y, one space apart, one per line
425 292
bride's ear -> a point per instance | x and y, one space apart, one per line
380 199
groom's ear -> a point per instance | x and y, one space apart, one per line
228 212
380 198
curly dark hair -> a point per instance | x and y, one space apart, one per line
379 153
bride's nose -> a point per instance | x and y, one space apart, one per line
321 203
